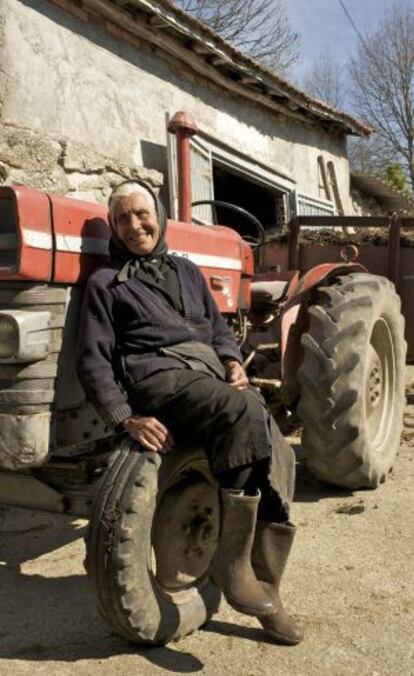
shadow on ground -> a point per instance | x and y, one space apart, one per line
254 634
49 617
55 618
308 488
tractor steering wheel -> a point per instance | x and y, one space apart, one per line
253 240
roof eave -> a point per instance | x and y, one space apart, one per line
212 45
219 56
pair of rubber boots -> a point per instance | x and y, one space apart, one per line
249 562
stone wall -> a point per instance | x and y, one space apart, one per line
67 78
366 205
63 166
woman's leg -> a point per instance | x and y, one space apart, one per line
198 409
272 543
201 410
252 479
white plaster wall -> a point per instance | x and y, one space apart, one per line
65 77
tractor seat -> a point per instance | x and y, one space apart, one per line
268 292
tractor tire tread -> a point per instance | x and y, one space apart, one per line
128 596
330 379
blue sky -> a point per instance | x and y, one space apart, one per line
323 25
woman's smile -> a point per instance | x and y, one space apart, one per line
136 224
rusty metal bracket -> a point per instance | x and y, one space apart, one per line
394 226
393 262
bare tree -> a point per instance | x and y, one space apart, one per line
363 154
258 27
383 78
325 80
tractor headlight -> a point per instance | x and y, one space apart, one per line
24 336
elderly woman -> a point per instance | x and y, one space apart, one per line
157 358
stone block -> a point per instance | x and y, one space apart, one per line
53 180
28 150
97 196
63 166
81 158
151 176
101 171
85 182
115 170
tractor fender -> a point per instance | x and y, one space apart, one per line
295 320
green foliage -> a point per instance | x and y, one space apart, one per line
382 80
394 175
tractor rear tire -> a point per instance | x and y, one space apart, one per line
153 530
352 381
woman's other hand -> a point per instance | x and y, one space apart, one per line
236 375
150 433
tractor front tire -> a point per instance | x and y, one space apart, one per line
153 530
352 381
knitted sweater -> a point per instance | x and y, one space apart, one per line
125 325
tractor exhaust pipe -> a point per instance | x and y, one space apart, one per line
183 125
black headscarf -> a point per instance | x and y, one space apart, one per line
150 262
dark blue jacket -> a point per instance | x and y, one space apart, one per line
125 324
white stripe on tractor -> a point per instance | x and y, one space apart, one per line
99 246
38 240
88 245
207 261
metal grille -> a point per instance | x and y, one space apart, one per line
8 235
311 206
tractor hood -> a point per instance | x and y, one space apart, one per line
53 239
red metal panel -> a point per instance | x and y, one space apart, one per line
406 291
219 252
79 242
31 211
376 260
81 235
81 238
313 277
373 257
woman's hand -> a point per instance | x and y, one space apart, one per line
236 375
150 433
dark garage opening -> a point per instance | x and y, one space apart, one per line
264 203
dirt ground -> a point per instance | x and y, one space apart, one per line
350 582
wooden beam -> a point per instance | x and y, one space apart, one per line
248 79
217 60
324 177
158 22
343 221
200 49
277 95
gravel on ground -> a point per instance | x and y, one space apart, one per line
350 582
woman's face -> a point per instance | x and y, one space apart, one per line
135 223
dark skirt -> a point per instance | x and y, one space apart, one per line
233 426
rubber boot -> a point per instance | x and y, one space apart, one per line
272 544
231 568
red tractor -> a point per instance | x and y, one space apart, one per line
328 344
